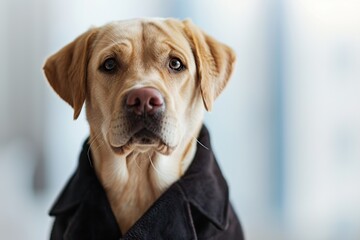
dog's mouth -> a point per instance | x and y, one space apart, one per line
142 139
145 137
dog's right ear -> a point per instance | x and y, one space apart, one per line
66 70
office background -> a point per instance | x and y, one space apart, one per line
286 130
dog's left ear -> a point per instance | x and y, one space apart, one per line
66 70
214 61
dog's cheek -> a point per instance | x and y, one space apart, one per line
97 108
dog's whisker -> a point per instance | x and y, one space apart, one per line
137 164
201 143
102 143
89 159
91 143
152 164
90 146
88 151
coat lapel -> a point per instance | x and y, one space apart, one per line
168 218
84 207
204 185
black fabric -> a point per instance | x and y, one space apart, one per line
195 207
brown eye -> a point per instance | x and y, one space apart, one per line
109 65
175 64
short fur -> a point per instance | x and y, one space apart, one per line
134 174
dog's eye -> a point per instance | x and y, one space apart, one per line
109 65
175 64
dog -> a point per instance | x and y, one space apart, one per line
147 170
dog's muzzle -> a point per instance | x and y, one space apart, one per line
145 108
145 122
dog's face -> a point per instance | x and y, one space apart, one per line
145 82
141 77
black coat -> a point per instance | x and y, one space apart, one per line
195 207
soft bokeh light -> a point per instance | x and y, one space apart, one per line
286 130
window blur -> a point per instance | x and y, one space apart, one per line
286 130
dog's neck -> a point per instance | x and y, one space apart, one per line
134 181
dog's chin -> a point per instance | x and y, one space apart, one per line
142 142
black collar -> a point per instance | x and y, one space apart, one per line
202 187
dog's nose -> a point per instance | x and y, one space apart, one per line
145 100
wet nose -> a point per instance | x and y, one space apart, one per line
145 100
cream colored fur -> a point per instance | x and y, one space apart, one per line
134 175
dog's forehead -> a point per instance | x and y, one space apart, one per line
143 28
143 40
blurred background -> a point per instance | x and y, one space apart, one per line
289 144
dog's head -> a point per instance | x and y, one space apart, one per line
145 81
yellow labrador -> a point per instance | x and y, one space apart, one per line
145 84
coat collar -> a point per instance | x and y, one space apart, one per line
202 187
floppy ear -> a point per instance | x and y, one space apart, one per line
214 61
66 70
